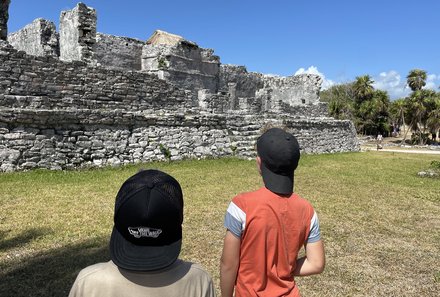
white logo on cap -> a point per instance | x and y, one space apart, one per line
139 232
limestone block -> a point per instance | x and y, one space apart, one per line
7 167
8 155
84 144
12 136
114 161
29 165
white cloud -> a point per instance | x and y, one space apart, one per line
431 82
310 70
326 83
392 83
397 87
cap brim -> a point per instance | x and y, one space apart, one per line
142 258
277 183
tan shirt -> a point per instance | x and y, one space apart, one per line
180 279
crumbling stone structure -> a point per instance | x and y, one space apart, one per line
116 100
41 34
78 34
180 61
4 16
114 52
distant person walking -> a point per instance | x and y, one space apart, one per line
379 140
145 245
266 228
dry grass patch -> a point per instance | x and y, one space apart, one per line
380 222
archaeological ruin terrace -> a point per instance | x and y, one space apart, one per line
80 98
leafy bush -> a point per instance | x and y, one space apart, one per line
435 164
165 151
415 138
162 63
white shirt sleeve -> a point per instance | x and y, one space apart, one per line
315 231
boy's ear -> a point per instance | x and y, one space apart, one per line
258 159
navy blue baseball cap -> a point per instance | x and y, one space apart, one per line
147 231
279 153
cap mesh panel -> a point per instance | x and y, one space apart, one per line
158 180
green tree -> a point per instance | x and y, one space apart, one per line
381 102
365 116
358 101
397 114
421 106
433 121
416 79
418 112
363 88
397 111
340 101
373 116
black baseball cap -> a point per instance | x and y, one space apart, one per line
147 231
279 153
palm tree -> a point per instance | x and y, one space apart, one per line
340 100
416 79
363 88
418 107
382 101
419 101
382 111
365 119
399 110
433 121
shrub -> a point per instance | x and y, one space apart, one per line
165 151
435 164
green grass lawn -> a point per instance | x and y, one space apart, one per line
380 222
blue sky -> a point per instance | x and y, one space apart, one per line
338 39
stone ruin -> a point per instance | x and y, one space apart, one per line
79 98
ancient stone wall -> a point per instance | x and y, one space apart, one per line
93 107
39 38
214 103
184 64
255 92
294 90
318 110
48 83
4 17
178 61
71 139
116 52
237 80
78 34
64 115
85 138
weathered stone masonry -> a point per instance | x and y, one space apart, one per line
62 115
4 16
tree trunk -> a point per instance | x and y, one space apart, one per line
403 124
405 134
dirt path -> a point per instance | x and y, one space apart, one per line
391 144
409 151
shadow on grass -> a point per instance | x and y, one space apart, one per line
21 239
51 273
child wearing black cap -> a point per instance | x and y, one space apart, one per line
145 245
267 228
